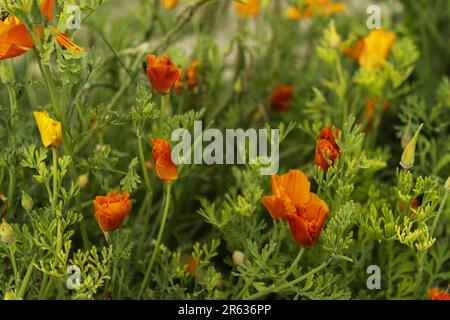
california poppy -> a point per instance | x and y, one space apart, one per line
282 96
15 38
165 168
370 112
162 73
292 200
322 7
435 294
292 13
327 150
250 9
372 50
111 210
50 130
192 74
169 4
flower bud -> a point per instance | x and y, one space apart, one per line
238 258
6 232
27 201
447 185
407 160
10 295
83 180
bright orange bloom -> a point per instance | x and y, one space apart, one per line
435 294
282 96
169 4
165 168
162 73
322 7
327 148
292 13
355 51
111 210
15 38
371 51
292 200
251 9
370 112
192 74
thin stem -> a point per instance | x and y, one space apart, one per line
14 265
158 240
272 289
55 199
294 264
26 279
438 214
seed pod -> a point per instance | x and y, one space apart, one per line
407 160
6 232
238 258
27 201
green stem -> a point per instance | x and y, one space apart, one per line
14 265
158 241
55 199
272 289
26 279
50 83
438 214
148 196
165 108
294 264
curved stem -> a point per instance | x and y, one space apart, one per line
14 265
158 240
438 214
273 288
55 199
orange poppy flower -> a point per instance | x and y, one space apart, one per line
292 13
192 74
322 7
111 210
169 4
327 150
370 112
372 50
15 38
165 168
282 96
162 73
292 200
250 9
435 294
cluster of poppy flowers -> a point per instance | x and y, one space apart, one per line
291 198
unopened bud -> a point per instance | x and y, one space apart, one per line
27 201
406 137
6 232
407 160
447 185
10 295
238 258
83 180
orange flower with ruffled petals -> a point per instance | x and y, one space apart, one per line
435 294
282 96
111 210
327 150
165 168
16 40
162 73
292 200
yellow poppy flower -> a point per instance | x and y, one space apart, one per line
50 130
